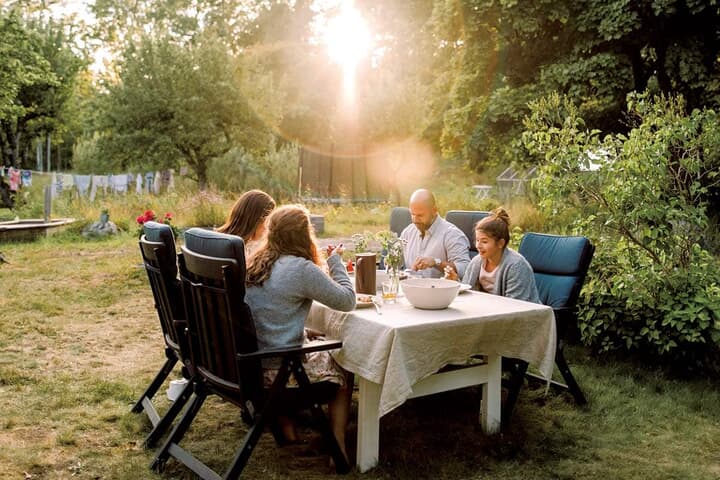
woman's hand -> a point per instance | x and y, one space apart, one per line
450 273
339 249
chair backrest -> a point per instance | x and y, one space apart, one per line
212 270
159 232
560 265
399 219
159 259
465 220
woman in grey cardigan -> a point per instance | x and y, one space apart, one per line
498 269
283 278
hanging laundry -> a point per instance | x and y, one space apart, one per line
156 183
26 178
14 179
98 181
82 182
118 183
183 171
164 180
53 185
171 180
67 181
138 184
149 181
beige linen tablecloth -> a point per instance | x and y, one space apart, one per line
405 344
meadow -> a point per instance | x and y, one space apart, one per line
79 341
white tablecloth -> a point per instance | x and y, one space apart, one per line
405 344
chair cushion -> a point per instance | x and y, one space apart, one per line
465 220
159 232
555 290
215 244
557 255
399 219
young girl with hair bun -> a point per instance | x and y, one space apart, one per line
498 269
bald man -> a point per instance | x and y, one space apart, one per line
432 242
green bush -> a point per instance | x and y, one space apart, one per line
206 210
645 199
274 172
629 303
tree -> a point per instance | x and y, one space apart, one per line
41 72
594 51
22 67
177 103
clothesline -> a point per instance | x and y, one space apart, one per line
89 185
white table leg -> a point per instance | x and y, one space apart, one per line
368 434
490 412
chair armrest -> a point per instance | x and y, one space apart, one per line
314 346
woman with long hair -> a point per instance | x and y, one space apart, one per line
498 269
247 219
283 278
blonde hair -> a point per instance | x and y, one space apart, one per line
289 232
496 225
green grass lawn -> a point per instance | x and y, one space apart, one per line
79 340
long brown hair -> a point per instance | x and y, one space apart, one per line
250 209
496 225
289 233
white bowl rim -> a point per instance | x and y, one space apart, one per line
430 283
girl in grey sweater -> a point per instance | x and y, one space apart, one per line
283 278
498 269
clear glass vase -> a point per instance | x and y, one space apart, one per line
391 287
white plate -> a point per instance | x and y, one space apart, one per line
362 304
464 287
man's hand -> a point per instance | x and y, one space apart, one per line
421 263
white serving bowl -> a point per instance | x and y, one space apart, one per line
430 293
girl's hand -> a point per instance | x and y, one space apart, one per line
450 273
339 249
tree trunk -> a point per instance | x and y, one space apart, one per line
16 148
201 170
49 165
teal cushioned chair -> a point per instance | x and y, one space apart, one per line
560 265
399 219
465 220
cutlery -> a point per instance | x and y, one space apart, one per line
377 306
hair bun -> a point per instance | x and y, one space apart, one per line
502 214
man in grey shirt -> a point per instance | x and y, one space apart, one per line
432 242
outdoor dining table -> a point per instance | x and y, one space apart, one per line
398 353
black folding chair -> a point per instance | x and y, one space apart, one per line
465 220
157 246
560 265
224 353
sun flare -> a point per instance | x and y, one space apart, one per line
347 38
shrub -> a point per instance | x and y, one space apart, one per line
644 199
274 172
